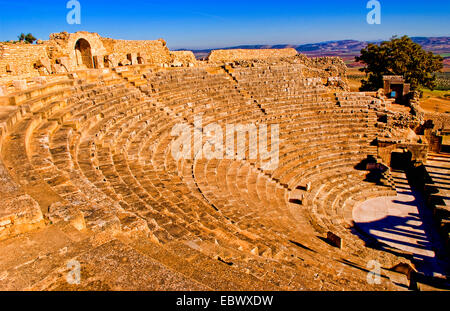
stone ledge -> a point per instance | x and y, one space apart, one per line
18 215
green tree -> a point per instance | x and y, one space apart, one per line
29 38
399 56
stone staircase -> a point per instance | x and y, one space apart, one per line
92 160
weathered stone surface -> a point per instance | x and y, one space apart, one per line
20 85
59 212
46 64
228 56
155 52
18 215
87 154
185 58
334 240
22 56
31 60
114 266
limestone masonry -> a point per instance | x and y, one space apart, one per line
88 177
225 56
66 52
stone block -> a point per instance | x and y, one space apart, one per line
45 64
308 187
40 80
224 56
65 62
20 214
334 240
59 212
142 58
99 62
58 68
132 57
20 85
3 91
11 69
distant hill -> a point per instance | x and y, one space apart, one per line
347 49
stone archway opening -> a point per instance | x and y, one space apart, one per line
83 54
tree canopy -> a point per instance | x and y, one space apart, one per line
399 56
29 38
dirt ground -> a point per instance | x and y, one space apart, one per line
436 101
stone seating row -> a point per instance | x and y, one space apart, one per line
105 151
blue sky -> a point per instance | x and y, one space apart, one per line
213 24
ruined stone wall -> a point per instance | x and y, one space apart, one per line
59 54
324 66
331 68
329 71
19 59
440 120
183 57
153 52
62 45
418 151
385 150
228 56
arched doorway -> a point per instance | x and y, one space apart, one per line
83 54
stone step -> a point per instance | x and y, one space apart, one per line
213 273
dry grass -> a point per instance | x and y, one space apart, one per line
435 101
354 79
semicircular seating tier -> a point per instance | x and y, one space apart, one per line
100 147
